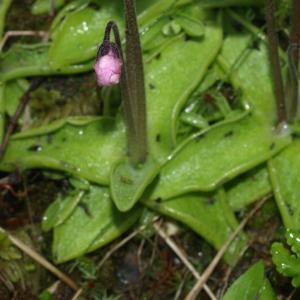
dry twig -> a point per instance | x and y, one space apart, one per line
275 63
211 267
43 262
182 257
77 294
122 243
8 34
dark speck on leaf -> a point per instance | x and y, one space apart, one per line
238 27
64 139
289 209
255 44
66 165
158 56
126 180
49 139
35 148
94 6
158 200
187 38
151 86
199 137
253 178
210 200
272 146
85 208
228 134
158 138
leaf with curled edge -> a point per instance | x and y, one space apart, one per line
93 223
78 36
32 60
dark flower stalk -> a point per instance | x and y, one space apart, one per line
275 63
136 86
111 66
293 57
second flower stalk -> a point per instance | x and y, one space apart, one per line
111 68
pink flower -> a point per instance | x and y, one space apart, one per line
108 69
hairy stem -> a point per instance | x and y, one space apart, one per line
136 87
293 57
127 103
275 63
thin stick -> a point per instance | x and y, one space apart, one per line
53 288
182 257
181 286
13 121
275 63
293 56
42 261
122 243
8 34
290 297
77 294
211 267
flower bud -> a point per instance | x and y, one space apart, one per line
108 67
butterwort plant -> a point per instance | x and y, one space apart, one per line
112 67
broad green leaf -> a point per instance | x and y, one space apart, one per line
81 32
168 86
214 156
248 187
209 159
32 60
60 18
284 173
83 147
248 286
192 26
160 7
249 71
208 214
94 223
129 182
44 6
152 37
59 210
164 6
